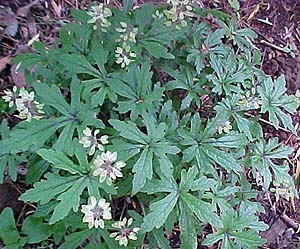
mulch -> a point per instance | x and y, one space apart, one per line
277 23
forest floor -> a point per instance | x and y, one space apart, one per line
277 23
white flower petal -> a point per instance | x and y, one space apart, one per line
130 220
87 132
104 139
93 201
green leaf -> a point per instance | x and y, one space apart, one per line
237 231
127 5
138 90
249 239
234 4
166 184
157 50
35 170
64 142
224 159
45 190
8 162
68 200
263 159
212 239
58 231
79 64
161 240
75 89
29 135
144 15
35 229
188 234
202 146
8 231
129 130
231 140
215 38
59 160
186 79
244 125
187 178
274 99
94 185
160 211
76 239
201 209
53 97
79 15
143 170
100 55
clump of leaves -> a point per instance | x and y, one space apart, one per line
137 121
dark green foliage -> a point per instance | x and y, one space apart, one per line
182 113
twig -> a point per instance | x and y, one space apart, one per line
263 59
291 135
123 210
291 222
269 123
273 46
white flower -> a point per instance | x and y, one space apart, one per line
226 127
157 14
10 96
91 140
28 108
179 11
124 233
95 213
250 101
107 168
124 56
128 33
99 14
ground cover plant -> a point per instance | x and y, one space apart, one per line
138 122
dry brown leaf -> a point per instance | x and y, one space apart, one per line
297 154
8 18
31 24
56 7
23 11
18 78
253 12
297 169
277 229
33 39
3 62
292 201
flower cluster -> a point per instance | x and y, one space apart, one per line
105 164
226 127
99 14
124 56
158 14
91 141
27 107
127 33
124 232
282 188
97 211
123 53
179 11
106 167
249 100
11 96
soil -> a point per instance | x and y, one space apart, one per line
277 23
